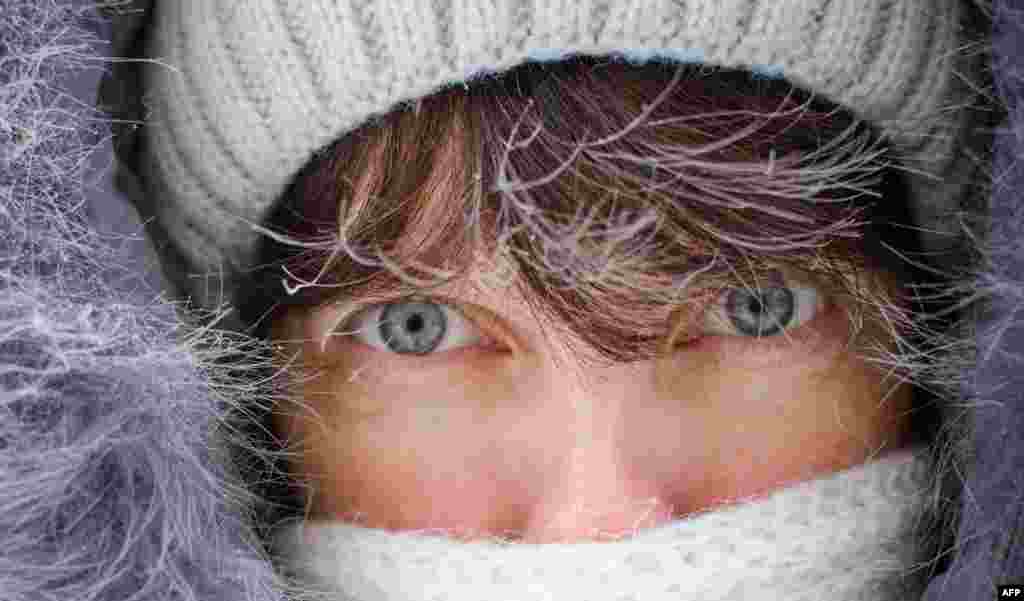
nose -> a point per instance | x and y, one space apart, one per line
594 485
600 506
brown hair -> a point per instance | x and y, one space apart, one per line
622 195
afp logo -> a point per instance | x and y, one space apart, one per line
1011 591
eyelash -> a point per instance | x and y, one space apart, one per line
715 320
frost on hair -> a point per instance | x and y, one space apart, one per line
615 199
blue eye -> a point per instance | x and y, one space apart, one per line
413 327
768 311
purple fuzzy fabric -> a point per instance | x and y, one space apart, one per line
990 539
114 478
113 488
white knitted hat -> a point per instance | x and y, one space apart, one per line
259 85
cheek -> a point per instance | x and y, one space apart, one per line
751 431
401 472
395 452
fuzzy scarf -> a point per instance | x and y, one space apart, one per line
842 537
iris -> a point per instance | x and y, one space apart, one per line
412 327
761 314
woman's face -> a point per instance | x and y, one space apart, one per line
501 431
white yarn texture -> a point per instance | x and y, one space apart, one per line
256 87
842 537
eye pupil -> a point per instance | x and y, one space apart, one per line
415 323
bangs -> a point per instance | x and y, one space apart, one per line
615 199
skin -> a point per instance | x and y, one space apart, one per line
512 436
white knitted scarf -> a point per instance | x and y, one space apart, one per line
843 537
